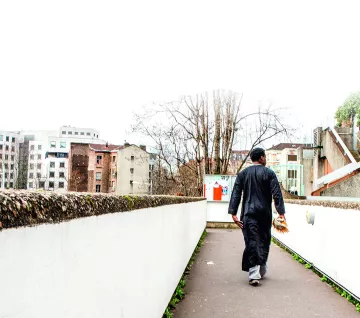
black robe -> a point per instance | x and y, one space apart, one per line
258 185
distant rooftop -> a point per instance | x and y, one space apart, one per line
104 148
285 145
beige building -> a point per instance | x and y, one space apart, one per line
133 170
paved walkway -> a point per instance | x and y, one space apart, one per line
218 288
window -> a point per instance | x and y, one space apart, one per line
52 144
82 133
11 184
39 147
131 182
88 134
6 157
39 166
13 139
31 185
31 166
12 167
98 188
1 147
7 138
52 164
31 175
97 136
94 135
51 184
7 148
11 175
292 157
6 165
12 158
62 175
64 132
76 133
42 184
61 185
32 147
132 158
1 156
98 160
149 167
150 175
39 157
38 175
52 174
131 170
6 185
113 158
292 174
12 149
31 157
6 175
69 132
98 176
62 164
62 144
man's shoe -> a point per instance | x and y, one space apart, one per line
254 282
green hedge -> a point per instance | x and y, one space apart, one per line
24 208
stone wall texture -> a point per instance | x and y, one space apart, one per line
25 208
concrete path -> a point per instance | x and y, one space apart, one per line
218 288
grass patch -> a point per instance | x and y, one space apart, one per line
179 293
323 278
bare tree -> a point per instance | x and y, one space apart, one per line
76 179
266 125
192 139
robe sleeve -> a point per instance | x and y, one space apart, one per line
236 195
276 193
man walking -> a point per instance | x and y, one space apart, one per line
258 185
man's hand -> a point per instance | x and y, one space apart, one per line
282 216
237 222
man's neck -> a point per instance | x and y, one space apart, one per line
257 163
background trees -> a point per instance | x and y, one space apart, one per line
196 135
345 114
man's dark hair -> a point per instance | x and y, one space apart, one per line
256 154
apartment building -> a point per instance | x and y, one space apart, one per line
9 158
134 170
292 163
44 156
107 168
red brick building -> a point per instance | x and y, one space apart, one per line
93 168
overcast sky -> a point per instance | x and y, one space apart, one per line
92 63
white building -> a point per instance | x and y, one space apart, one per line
9 158
48 153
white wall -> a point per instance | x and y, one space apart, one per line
218 212
331 244
115 265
